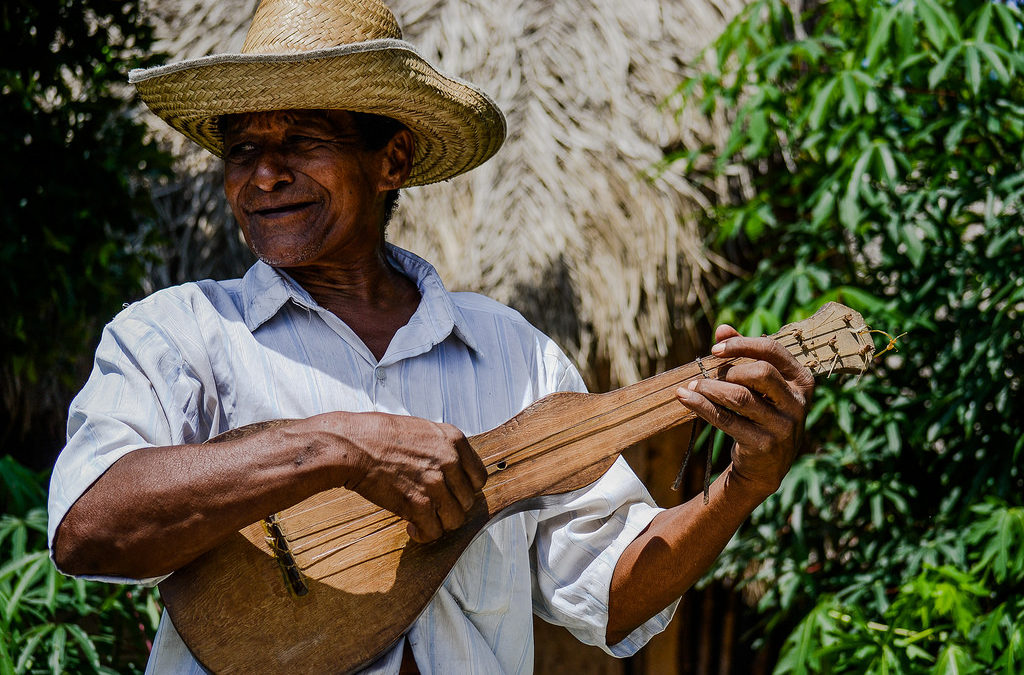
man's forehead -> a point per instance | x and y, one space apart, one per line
336 120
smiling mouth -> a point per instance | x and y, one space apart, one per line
287 209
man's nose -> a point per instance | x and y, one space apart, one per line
272 171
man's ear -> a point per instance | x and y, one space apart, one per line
396 161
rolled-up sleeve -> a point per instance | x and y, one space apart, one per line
141 393
576 548
577 544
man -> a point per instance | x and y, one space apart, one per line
380 369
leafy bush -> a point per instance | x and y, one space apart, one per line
70 217
966 615
50 623
877 158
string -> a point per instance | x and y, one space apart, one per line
678 482
709 457
312 526
382 519
343 528
314 507
512 459
892 342
707 468
509 460
689 449
326 554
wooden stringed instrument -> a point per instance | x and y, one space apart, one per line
330 583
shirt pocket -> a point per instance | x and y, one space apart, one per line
482 581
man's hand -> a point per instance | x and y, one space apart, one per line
423 471
762 405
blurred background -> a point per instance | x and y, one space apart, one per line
670 166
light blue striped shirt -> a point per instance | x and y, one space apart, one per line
192 361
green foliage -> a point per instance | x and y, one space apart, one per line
73 234
945 619
70 235
884 144
50 623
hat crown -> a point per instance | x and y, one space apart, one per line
296 26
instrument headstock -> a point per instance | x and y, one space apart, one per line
834 339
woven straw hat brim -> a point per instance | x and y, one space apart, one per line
456 126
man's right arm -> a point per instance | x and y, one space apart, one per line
156 509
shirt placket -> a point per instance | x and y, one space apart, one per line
384 394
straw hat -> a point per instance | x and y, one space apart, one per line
337 55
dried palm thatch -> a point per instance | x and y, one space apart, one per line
565 222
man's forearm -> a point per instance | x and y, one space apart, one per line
674 551
156 509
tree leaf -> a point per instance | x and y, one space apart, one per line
861 300
799 653
58 651
926 9
851 94
955 133
820 107
949 25
973 66
982 21
1010 23
991 55
6 663
85 643
32 566
884 154
29 646
938 72
823 207
911 237
849 211
953 661
880 36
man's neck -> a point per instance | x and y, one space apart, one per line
372 297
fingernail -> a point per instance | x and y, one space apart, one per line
718 349
692 386
685 394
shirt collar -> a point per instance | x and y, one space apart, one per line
266 289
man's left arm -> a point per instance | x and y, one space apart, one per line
762 405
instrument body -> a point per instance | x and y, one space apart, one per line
363 582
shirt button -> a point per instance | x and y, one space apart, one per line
381 376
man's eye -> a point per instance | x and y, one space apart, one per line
239 152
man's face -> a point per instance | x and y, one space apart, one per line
303 188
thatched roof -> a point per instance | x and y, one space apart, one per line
563 223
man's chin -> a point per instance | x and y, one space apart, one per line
276 257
